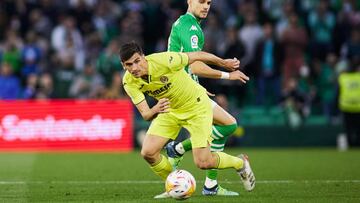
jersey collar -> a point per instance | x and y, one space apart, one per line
149 71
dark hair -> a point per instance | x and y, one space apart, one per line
127 50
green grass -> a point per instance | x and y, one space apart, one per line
283 175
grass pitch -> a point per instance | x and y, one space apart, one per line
283 175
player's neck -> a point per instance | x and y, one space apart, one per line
196 18
146 78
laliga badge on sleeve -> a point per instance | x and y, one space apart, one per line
194 42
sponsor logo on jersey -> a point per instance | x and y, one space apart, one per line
164 79
193 27
159 91
194 40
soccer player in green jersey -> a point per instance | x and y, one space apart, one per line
187 36
181 103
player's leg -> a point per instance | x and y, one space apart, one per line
150 151
224 126
204 159
199 126
159 164
200 131
162 128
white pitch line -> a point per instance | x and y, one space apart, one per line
72 182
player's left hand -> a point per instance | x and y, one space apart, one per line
162 106
238 75
232 64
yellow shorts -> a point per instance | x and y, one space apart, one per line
197 120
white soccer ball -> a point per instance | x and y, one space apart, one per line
180 184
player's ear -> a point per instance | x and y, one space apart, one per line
122 64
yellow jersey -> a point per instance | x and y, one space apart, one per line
349 99
166 79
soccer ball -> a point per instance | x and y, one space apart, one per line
180 184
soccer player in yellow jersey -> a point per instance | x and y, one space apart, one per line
181 103
187 36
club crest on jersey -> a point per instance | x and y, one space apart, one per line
164 79
194 42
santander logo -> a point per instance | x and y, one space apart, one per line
13 128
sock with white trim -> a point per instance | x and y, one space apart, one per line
220 134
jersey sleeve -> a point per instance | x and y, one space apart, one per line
176 60
133 91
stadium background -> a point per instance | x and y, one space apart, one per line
59 67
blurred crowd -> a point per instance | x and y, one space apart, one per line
293 50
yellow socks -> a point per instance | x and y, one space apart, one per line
228 161
162 168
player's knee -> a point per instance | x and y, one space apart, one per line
233 122
149 154
204 164
233 127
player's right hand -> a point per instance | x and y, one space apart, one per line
232 64
210 94
238 75
163 105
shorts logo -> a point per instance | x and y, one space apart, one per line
164 79
194 42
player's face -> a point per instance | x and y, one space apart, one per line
136 65
199 8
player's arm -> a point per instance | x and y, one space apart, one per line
138 98
150 113
203 70
212 59
178 60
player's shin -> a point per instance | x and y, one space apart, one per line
217 145
162 168
228 161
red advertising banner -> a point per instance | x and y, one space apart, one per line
66 125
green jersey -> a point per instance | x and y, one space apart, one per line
186 36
